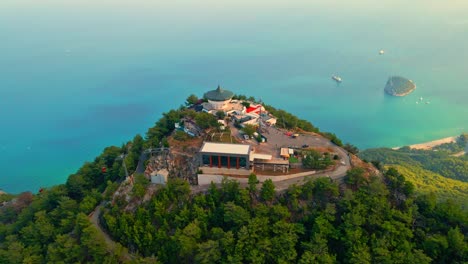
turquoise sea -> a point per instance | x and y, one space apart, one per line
76 76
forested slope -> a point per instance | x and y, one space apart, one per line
436 161
367 220
430 171
372 221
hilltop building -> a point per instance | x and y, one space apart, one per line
219 98
189 127
268 119
224 155
246 119
236 159
255 109
159 177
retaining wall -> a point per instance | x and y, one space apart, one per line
205 179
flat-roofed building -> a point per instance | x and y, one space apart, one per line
284 153
225 155
159 177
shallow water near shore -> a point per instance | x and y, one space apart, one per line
76 77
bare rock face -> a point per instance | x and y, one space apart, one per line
399 86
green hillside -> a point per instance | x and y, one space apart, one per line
428 170
369 221
97 217
427 182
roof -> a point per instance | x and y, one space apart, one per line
273 161
225 148
256 108
162 172
219 94
284 152
262 156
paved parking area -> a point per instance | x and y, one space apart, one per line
277 139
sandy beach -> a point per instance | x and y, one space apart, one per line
431 144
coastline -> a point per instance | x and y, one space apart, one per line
430 144
405 94
402 94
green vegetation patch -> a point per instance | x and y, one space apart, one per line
430 171
436 161
427 182
293 159
316 160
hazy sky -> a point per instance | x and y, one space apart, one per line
424 6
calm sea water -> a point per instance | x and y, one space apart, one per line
76 76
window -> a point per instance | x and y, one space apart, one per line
242 162
206 160
233 161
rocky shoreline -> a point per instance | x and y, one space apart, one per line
402 94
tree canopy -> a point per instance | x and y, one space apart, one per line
374 219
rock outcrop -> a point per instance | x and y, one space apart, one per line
399 86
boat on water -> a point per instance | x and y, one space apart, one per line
337 78
381 52
420 98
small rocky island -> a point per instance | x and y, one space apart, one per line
399 86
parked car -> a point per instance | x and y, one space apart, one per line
305 146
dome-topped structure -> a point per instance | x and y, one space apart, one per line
219 95
218 98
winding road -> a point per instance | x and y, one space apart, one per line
336 175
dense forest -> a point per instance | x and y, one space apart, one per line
366 219
435 161
439 170
369 220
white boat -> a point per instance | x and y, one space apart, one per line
382 52
337 78
420 98
428 102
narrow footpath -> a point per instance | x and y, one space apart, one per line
111 244
94 218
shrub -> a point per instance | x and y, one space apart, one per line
181 136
